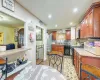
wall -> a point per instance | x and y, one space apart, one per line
39 42
49 42
8 34
73 36
72 33
25 16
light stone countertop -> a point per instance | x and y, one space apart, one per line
59 44
14 51
83 52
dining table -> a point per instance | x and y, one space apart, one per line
39 72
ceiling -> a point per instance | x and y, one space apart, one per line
10 21
61 10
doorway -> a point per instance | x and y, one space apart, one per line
39 45
11 32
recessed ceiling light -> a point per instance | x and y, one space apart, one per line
56 25
75 10
50 16
71 23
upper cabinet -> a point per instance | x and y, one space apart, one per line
68 35
82 30
90 25
54 35
97 21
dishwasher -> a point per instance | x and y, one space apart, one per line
67 50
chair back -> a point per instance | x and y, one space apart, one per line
56 61
3 69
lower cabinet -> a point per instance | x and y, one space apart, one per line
77 63
93 61
59 48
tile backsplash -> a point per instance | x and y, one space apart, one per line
60 36
61 42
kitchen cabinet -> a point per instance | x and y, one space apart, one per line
77 63
59 48
97 22
54 35
68 35
90 25
87 27
82 30
88 60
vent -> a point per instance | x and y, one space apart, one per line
41 23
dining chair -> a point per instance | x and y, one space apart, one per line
88 69
56 60
3 69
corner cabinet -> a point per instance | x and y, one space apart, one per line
68 35
54 35
90 25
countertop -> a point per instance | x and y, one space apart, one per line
10 52
59 44
56 53
68 45
83 52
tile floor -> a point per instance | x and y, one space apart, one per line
68 68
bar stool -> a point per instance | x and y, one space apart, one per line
90 71
56 60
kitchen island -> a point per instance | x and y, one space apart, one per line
64 49
58 47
